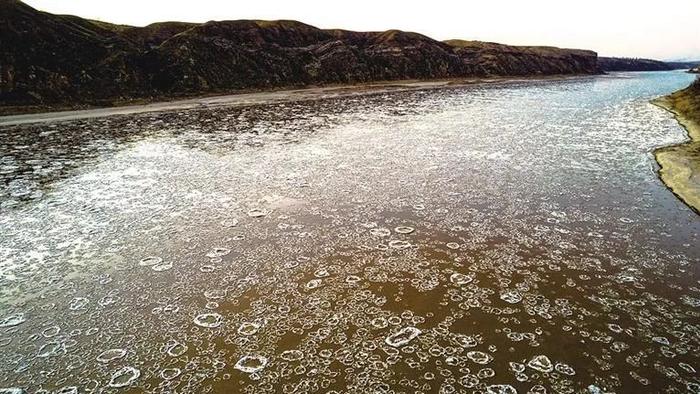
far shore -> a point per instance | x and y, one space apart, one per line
680 163
25 115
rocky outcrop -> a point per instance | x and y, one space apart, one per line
50 59
695 70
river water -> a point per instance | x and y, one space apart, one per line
487 238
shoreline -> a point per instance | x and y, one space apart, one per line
678 163
248 98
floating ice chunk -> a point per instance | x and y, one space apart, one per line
404 229
593 389
352 279
248 328
379 322
52 331
690 301
208 320
111 355
321 273
13 320
565 369
460 279
511 296
402 337
626 277
124 377
452 245
12 390
541 363
399 244
466 340
258 212
175 349
218 252
501 389
230 223
170 373
251 364
149 261
469 381
162 267
78 303
292 355
67 390
291 264
661 340
479 357
313 283
49 349
380 232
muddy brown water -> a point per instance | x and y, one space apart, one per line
499 239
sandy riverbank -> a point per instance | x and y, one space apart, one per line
263 97
680 164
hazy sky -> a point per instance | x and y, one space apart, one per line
641 28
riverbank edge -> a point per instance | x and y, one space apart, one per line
257 97
676 166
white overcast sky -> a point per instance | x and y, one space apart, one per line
641 28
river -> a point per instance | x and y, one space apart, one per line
484 238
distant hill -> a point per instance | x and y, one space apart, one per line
638 64
48 59
488 58
684 65
631 64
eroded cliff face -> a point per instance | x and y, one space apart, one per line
50 59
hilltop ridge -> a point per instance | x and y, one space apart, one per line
49 60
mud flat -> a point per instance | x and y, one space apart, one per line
680 164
